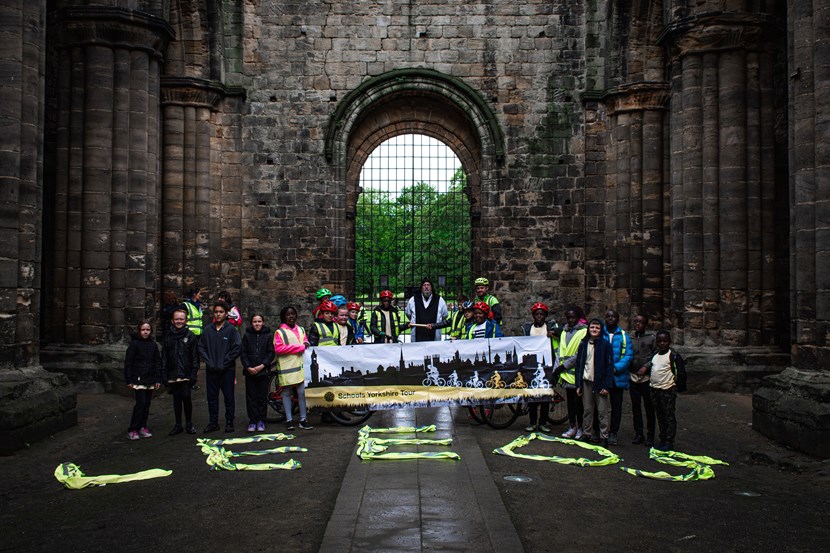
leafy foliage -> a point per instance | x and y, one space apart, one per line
413 233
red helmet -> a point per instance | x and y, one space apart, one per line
353 305
327 306
386 294
482 305
539 305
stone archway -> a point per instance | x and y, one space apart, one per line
418 101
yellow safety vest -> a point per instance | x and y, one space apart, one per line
327 337
568 349
194 318
290 365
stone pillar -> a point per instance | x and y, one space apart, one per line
191 198
637 114
722 180
33 402
106 179
794 406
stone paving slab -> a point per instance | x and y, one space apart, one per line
421 505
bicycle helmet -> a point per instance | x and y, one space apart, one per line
322 293
482 305
467 305
353 305
338 300
327 306
539 305
386 294
481 281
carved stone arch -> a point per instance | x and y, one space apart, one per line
414 101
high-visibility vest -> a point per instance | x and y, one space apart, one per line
290 365
457 320
568 349
194 318
327 337
377 320
490 300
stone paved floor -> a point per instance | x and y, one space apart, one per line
421 505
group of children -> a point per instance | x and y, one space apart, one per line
596 361
186 343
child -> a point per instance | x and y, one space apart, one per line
354 320
594 380
642 342
219 347
569 341
257 355
668 376
540 326
179 363
289 344
142 371
234 317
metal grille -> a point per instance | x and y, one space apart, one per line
413 220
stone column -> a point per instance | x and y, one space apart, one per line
722 180
33 402
637 114
106 179
794 406
191 198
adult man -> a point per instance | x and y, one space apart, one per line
482 287
219 347
623 352
386 321
427 314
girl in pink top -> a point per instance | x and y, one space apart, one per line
289 344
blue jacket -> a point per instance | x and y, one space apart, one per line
623 354
491 330
603 364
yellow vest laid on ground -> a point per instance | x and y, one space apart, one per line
290 365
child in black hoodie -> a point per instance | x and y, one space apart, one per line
142 371
180 361
257 355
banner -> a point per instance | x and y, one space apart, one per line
429 374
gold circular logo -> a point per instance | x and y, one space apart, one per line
329 397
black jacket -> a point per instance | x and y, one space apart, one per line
219 348
180 355
603 364
142 364
257 349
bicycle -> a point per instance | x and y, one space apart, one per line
502 415
276 411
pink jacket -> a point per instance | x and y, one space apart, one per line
282 348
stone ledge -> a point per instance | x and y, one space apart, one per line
93 369
731 369
794 408
34 403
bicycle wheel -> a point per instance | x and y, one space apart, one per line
474 414
351 417
558 407
499 415
275 412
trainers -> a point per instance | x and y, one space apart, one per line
305 426
544 428
190 429
650 440
579 434
260 426
530 428
176 430
612 439
252 427
605 442
229 427
212 427
289 426
133 435
145 433
571 432
586 437
638 439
